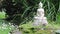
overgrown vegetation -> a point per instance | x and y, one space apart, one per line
24 10
21 12
29 29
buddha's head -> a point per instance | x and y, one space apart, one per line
40 5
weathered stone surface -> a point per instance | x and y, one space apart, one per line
40 19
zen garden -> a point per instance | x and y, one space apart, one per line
29 17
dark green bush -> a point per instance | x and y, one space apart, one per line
24 10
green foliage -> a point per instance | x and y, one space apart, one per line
2 15
23 11
28 8
58 17
29 29
6 28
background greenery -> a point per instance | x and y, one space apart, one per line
22 12
19 11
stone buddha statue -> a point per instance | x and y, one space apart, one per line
40 19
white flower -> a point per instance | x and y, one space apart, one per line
9 23
4 24
3 27
9 33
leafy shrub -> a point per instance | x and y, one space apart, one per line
27 9
2 15
29 29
